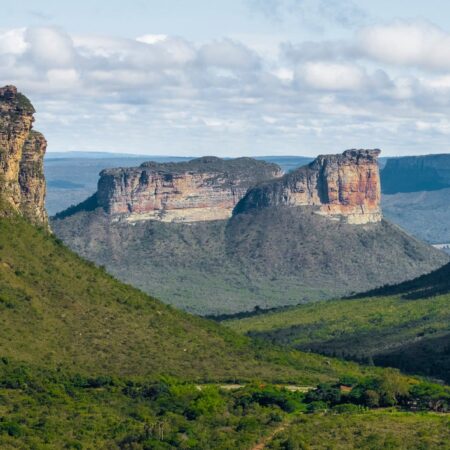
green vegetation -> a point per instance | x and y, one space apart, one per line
278 256
46 410
24 103
371 430
86 362
57 310
42 409
405 326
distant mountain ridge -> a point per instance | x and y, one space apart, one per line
416 173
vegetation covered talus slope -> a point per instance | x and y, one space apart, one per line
273 257
405 326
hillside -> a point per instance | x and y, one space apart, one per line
374 430
404 326
58 310
424 214
268 258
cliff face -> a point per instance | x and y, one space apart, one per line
22 182
416 173
343 187
199 190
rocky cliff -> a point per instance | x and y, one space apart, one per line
22 182
203 189
416 174
343 187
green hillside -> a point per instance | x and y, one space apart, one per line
405 326
273 257
88 362
58 310
368 430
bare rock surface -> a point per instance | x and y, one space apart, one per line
202 189
22 182
345 186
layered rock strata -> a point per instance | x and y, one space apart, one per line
342 187
203 189
22 181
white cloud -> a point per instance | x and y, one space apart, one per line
164 94
332 76
152 38
13 42
63 78
49 48
407 43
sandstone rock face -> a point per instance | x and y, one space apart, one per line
203 189
342 187
22 182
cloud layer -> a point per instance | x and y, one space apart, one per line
388 86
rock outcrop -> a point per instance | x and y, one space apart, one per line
342 187
22 182
203 189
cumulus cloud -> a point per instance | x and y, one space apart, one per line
49 47
332 76
12 42
409 44
165 94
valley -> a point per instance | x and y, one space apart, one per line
405 326
87 361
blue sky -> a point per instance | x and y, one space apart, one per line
236 77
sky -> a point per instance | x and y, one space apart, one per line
235 77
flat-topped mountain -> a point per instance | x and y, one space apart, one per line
343 186
313 234
202 189
21 157
416 173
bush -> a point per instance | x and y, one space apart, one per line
316 407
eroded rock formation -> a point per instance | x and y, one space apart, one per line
22 182
203 189
343 186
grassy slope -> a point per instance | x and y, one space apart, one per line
371 431
58 310
276 257
405 326
62 316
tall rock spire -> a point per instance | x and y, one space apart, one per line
22 181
